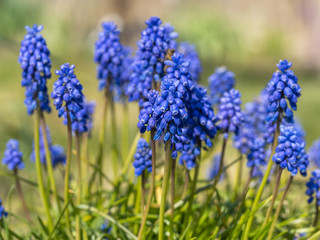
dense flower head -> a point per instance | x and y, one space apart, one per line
187 159
257 153
57 151
126 71
142 157
35 62
214 168
148 65
314 153
282 88
230 111
191 55
68 98
220 81
90 108
313 187
3 213
290 153
12 156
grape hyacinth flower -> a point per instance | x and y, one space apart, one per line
191 56
35 62
314 153
69 99
126 71
57 151
283 88
257 153
12 156
221 81
230 112
90 108
313 187
187 159
148 64
142 157
3 213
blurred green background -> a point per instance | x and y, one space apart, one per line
249 37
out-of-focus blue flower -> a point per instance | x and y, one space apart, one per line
126 71
313 187
290 153
314 153
257 153
57 151
3 213
166 112
35 62
187 159
106 228
12 156
282 88
221 81
68 98
230 112
149 60
214 168
142 157
191 56
90 108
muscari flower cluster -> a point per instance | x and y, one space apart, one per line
282 88
90 108
221 81
313 187
12 156
110 56
314 153
166 112
142 157
191 56
230 112
35 62
290 153
3 213
56 151
148 64
126 71
69 99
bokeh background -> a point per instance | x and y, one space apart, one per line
249 37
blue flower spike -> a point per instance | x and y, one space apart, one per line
12 156
313 187
314 153
142 157
3 213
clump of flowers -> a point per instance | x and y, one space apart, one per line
148 64
191 56
3 213
35 62
313 187
220 81
282 88
314 153
12 156
69 99
142 157
90 108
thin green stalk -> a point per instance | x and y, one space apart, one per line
143 191
125 130
316 216
173 178
49 160
67 172
186 182
262 185
279 209
165 182
38 167
114 150
130 155
78 149
84 158
274 196
137 202
238 178
153 176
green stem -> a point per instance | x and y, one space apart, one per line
78 149
49 160
130 155
153 176
262 185
186 182
238 178
274 196
38 167
316 217
173 171
137 202
143 179
84 157
114 151
279 208
165 182
67 171
125 130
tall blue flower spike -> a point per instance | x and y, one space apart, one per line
314 153
148 64
142 157
283 88
68 98
220 81
90 108
126 71
12 156
3 213
257 153
214 168
57 151
35 62
166 112
191 56
313 187
230 112
290 153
